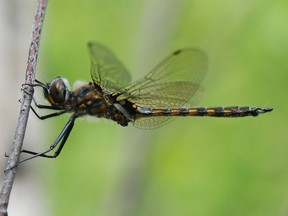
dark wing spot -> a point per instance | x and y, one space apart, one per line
177 52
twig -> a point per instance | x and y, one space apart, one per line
13 159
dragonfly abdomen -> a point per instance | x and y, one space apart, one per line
234 111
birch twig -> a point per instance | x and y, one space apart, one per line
14 155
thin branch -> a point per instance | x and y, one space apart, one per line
14 155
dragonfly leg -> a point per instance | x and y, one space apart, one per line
49 115
62 138
40 106
38 83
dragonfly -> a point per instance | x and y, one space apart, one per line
169 90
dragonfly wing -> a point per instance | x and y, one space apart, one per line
106 70
152 122
172 84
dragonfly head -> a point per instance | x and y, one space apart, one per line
57 91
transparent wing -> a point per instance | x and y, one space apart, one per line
172 84
152 122
106 70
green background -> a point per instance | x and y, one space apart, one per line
192 166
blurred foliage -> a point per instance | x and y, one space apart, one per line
192 166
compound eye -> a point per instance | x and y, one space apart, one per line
57 90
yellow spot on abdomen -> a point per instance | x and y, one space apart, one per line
175 111
157 111
210 111
192 111
227 111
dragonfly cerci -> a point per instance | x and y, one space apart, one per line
169 90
